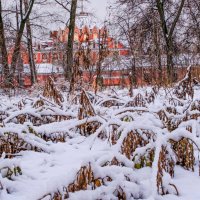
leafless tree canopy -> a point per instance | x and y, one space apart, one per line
159 28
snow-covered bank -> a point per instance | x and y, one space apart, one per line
109 146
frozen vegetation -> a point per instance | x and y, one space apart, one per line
104 146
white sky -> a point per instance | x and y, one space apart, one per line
96 7
99 7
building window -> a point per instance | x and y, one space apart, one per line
60 56
55 56
35 56
44 57
116 46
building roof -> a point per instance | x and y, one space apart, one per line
44 68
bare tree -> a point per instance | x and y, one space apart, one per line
192 35
127 32
3 49
168 33
70 43
169 13
103 52
30 46
16 51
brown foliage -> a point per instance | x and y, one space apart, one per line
51 92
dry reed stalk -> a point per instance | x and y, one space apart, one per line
84 178
165 165
184 88
86 110
138 101
11 144
134 140
51 92
185 153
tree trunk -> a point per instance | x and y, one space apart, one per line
16 52
170 63
68 68
30 47
157 49
3 51
168 36
19 63
133 70
132 76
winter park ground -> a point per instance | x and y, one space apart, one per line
104 146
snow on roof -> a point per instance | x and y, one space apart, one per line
44 68
48 48
48 68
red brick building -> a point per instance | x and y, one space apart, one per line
48 54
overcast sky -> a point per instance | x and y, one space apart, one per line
99 7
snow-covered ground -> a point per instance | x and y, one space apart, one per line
112 135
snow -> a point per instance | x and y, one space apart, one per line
44 68
49 165
48 68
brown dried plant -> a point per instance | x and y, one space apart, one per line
185 153
134 140
84 178
165 165
184 88
51 92
138 101
86 110
11 144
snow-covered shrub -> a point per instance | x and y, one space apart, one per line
101 146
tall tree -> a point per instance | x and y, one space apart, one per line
102 54
192 36
3 49
30 47
164 17
68 68
16 51
168 33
